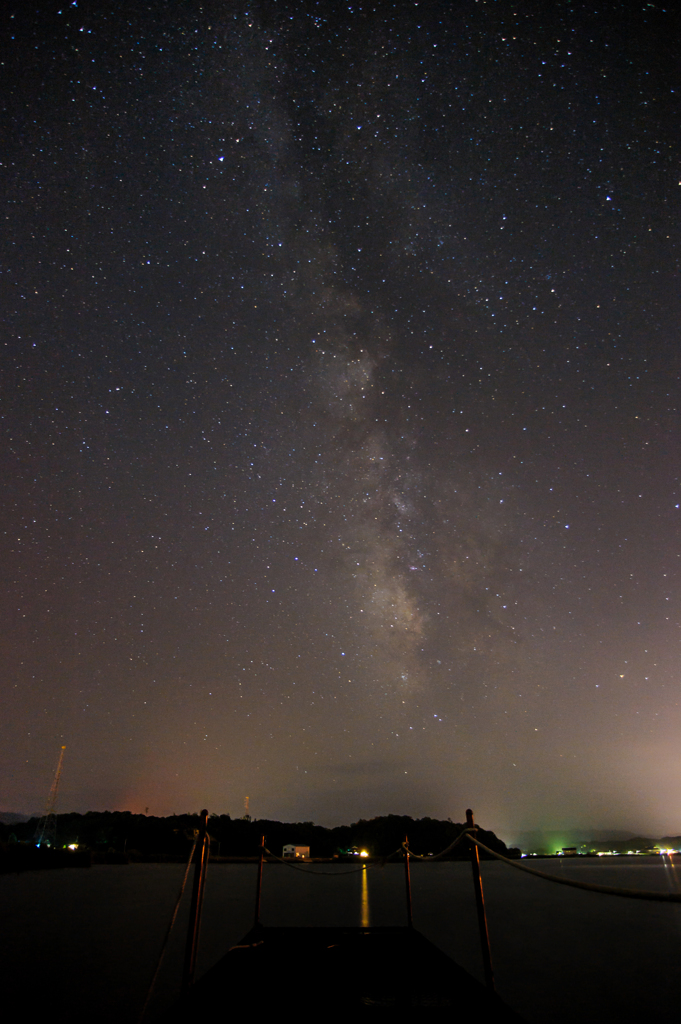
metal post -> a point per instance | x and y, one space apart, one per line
191 950
258 884
480 904
407 880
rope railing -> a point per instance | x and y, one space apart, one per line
402 848
469 832
607 890
168 933
434 856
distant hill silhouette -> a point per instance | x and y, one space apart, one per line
122 831
597 840
11 818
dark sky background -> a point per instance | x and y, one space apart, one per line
339 404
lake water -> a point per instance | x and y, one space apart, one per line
84 943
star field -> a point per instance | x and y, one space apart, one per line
340 410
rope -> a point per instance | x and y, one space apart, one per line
402 848
608 890
436 856
167 935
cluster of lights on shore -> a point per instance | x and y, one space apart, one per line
610 853
636 853
355 853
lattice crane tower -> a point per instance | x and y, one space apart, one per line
46 832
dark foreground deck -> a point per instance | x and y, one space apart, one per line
327 973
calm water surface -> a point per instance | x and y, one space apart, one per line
79 942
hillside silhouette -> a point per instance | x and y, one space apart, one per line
125 832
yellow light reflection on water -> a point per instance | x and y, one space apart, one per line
670 867
365 899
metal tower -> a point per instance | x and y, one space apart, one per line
46 832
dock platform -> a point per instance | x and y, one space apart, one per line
377 973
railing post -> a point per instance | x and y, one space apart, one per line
480 904
200 864
258 884
407 880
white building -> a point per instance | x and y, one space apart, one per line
297 852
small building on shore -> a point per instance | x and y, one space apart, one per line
296 852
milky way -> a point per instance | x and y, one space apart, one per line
340 411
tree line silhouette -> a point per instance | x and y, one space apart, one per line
147 836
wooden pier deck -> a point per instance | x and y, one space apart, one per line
329 973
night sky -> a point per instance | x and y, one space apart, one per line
340 453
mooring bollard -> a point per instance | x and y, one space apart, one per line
258 884
407 880
480 904
200 864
